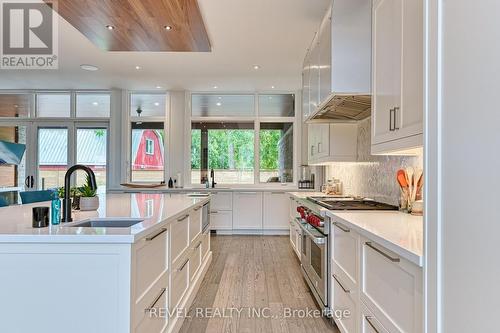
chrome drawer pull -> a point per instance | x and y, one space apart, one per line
182 266
369 244
150 238
341 227
340 284
214 212
197 246
369 320
183 218
151 307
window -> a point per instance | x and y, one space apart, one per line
147 105
227 148
52 157
91 150
53 105
150 147
276 152
147 152
206 105
15 105
93 105
277 105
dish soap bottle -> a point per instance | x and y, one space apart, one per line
55 210
170 183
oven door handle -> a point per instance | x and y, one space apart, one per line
318 240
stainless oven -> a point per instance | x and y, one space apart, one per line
314 262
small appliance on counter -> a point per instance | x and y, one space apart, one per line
306 178
333 187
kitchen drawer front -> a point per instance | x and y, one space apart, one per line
180 236
205 245
345 249
221 220
179 283
195 223
293 235
195 260
344 302
150 312
369 323
392 288
150 260
221 201
293 208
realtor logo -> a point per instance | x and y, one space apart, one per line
29 35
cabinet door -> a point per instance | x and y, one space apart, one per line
221 220
323 144
221 200
325 57
314 76
386 67
276 210
409 116
247 210
312 142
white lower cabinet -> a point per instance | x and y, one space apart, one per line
296 237
180 283
276 210
147 312
381 290
221 220
391 287
180 242
247 210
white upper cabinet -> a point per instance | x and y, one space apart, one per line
332 142
397 55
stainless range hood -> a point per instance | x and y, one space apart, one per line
344 92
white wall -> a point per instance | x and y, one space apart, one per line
176 136
463 157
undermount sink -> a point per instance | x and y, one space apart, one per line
105 223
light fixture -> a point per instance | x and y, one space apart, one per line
256 67
138 67
158 87
110 27
16 106
272 87
95 103
157 104
215 87
218 103
90 68
167 27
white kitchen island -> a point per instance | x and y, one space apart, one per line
102 279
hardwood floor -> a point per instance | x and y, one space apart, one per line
253 285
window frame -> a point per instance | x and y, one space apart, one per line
257 120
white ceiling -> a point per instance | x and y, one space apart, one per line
271 33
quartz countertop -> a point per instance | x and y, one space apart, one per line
155 209
165 189
399 232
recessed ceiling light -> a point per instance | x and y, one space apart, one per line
167 27
16 106
157 104
91 68
138 67
256 67
95 103
218 103
272 87
110 27
215 87
158 87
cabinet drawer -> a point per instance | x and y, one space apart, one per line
345 252
221 220
392 288
180 283
195 260
195 223
150 312
369 323
221 201
293 208
150 260
205 245
247 210
180 236
344 302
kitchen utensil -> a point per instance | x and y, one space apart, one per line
409 172
416 180
401 178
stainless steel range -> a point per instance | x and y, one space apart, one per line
315 253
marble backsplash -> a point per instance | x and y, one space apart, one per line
372 176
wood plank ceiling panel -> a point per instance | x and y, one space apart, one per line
139 25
